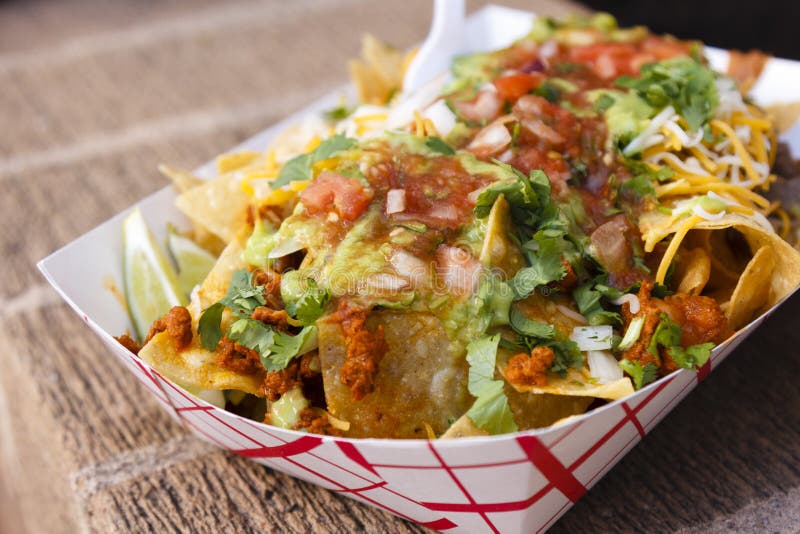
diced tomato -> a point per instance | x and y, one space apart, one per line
664 48
334 192
512 87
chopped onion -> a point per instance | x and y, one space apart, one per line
411 267
572 314
441 116
548 49
592 337
632 333
458 269
655 125
541 130
395 201
386 282
491 140
698 210
284 248
631 299
603 366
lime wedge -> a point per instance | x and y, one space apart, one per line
151 284
194 262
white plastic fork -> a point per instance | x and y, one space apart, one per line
445 40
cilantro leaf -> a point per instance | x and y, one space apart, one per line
311 304
547 269
604 102
490 411
638 187
567 355
285 347
252 334
340 112
667 334
209 326
692 356
681 82
641 374
527 327
299 167
587 297
523 193
242 298
437 145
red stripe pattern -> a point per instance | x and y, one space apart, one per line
557 465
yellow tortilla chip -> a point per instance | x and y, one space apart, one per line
216 283
463 428
194 366
419 368
236 160
752 291
786 274
181 179
576 384
219 205
380 73
499 252
693 271
534 410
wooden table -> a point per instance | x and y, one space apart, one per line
94 95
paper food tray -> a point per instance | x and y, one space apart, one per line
520 482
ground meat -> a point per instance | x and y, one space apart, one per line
652 316
314 423
570 279
272 286
237 358
178 324
129 343
701 319
278 319
529 369
276 383
364 350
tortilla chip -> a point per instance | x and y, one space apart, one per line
532 410
785 275
236 160
576 384
784 115
419 368
194 366
181 179
499 252
219 205
215 286
183 182
463 428
380 74
693 270
752 291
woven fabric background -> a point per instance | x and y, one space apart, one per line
95 95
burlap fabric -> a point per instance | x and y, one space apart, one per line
93 95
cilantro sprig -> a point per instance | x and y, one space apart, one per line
275 349
299 167
681 82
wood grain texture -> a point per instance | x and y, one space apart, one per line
95 95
